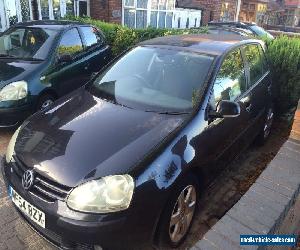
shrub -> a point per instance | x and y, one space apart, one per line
284 57
121 38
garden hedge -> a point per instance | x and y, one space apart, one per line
284 57
121 37
283 54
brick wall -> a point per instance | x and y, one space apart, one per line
106 10
111 10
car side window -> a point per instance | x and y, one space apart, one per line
265 64
70 43
92 36
254 59
230 82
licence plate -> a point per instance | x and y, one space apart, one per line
26 208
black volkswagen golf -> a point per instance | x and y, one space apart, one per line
120 163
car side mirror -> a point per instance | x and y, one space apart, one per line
64 58
226 109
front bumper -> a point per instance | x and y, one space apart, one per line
11 117
67 229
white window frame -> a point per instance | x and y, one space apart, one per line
4 13
2 16
50 10
19 11
149 9
63 8
77 7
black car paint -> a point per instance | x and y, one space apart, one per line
48 76
157 150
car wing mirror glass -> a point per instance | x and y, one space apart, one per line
225 109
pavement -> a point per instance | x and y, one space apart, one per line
227 189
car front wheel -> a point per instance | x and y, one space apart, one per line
265 132
178 215
45 101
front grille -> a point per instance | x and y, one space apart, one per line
43 188
55 238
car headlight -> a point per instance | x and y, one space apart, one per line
11 146
108 194
14 91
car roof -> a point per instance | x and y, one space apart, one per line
50 24
233 29
231 23
202 43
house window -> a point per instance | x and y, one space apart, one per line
56 9
143 13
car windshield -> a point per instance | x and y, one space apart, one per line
27 43
261 32
154 79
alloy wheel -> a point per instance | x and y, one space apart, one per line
46 103
268 123
182 214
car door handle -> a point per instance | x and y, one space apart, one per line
248 107
86 67
247 102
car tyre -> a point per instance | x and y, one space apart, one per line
266 128
45 101
178 215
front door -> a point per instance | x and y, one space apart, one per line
68 75
223 138
259 84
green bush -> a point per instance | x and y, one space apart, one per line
121 38
284 57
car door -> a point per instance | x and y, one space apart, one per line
67 72
224 138
97 51
259 85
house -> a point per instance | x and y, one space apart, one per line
253 11
292 12
133 13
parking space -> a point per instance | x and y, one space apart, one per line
15 234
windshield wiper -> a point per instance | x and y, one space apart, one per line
168 112
116 103
5 55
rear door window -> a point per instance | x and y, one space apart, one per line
255 63
230 82
92 36
70 43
